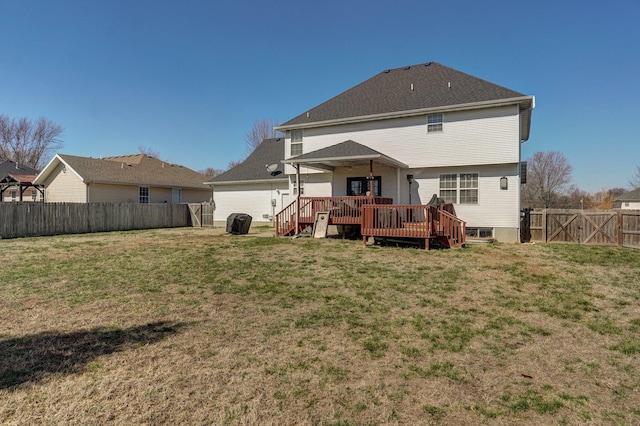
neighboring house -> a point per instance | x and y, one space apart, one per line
629 200
16 183
413 132
256 186
131 178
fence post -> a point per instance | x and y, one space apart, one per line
543 220
619 233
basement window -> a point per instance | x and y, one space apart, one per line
434 123
479 232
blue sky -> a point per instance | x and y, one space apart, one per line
189 78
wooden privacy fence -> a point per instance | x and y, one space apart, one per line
37 219
603 228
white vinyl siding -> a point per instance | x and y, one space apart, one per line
483 137
495 207
252 199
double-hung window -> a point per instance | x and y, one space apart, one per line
296 142
434 123
449 188
468 188
143 195
459 189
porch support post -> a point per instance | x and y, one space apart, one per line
297 167
371 178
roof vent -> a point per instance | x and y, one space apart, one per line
307 114
449 85
406 68
412 87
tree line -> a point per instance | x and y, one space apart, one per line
549 184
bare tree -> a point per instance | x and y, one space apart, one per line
634 181
261 130
233 163
149 152
29 142
210 171
548 177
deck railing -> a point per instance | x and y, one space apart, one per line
377 217
343 210
413 221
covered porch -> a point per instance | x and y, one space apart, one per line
370 214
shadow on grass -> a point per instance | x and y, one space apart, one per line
30 358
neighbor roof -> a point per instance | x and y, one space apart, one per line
254 168
413 88
11 168
137 169
630 196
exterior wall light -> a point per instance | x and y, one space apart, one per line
504 182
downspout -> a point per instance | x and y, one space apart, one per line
297 167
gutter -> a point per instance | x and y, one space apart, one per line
530 100
240 182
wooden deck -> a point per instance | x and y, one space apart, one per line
377 217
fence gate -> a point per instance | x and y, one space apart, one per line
601 228
201 214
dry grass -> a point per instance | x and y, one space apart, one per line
188 326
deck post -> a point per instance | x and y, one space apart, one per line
297 167
371 178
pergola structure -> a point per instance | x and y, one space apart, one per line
20 183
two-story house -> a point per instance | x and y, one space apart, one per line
412 132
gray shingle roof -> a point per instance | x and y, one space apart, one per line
630 196
11 168
416 87
137 169
270 151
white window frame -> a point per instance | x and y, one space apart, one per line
468 188
176 195
297 137
144 198
448 186
459 188
435 123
